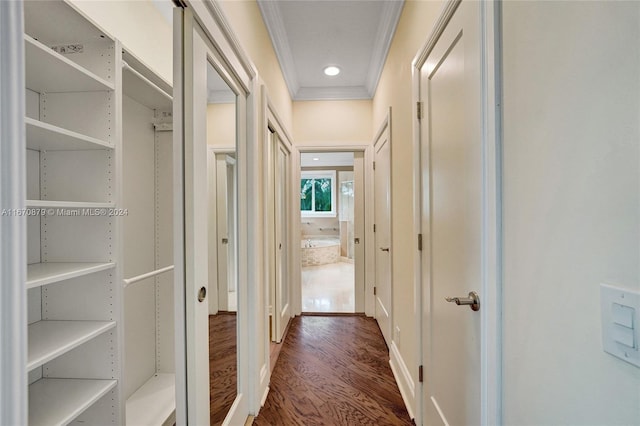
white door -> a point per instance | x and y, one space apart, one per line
382 220
282 297
191 225
452 220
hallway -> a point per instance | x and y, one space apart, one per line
333 370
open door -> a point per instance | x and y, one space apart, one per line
195 56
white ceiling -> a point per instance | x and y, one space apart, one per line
309 35
326 159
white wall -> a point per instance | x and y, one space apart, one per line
394 89
322 123
571 207
141 28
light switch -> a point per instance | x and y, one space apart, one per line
624 335
623 315
620 312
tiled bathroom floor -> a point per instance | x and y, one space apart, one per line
328 288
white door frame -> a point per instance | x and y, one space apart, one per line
225 53
369 260
385 127
214 238
13 228
491 286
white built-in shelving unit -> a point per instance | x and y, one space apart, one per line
149 370
99 227
73 287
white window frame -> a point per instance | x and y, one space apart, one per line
320 174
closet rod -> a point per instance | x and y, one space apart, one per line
146 80
129 281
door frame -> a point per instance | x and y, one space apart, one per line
214 239
385 128
227 55
13 228
491 286
272 120
369 260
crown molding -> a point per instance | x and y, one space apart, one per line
274 22
386 30
337 93
275 26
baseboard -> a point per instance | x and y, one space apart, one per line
264 385
403 379
264 397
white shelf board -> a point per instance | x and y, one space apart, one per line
68 204
47 137
49 72
154 403
50 339
39 274
59 401
142 90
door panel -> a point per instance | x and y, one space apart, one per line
194 204
382 218
450 87
282 297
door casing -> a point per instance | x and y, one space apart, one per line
491 284
364 299
382 138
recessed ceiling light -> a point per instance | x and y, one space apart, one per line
332 71
316 159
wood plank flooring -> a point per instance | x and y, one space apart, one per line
333 370
223 364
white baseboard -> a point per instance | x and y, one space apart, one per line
403 379
264 384
264 397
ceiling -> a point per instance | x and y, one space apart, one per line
309 35
326 159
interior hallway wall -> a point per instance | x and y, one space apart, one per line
246 20
571 207
395 90
140 27
323 123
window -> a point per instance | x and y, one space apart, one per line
318 193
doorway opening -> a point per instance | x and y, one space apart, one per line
328 215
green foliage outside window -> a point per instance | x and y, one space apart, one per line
315 195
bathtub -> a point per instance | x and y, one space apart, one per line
320 251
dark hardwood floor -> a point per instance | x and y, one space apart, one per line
333 370
223 364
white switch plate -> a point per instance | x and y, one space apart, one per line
620 312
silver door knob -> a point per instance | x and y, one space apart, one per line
384 248
473 300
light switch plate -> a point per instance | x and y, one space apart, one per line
620 312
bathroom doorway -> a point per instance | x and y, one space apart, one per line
332 231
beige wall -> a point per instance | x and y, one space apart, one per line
247 24
139 26
571 207
322 123
221 125
394 89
